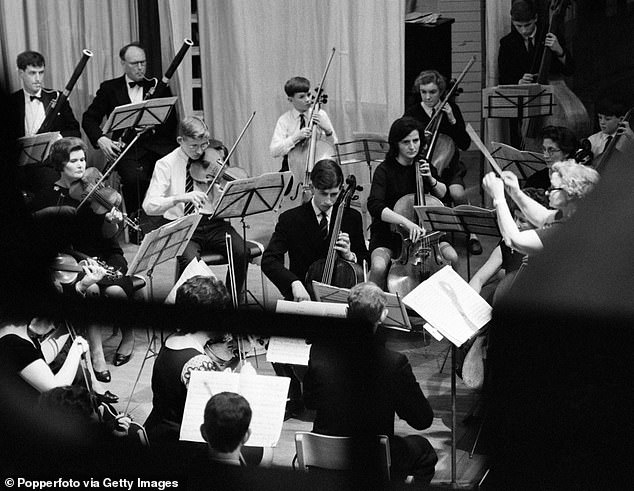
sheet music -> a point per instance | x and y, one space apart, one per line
450 305
288 350
308 307
266 396
34 149
155 111
196 267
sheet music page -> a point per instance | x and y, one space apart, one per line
288 350
125 113
266 396
450 305
308 307
156 110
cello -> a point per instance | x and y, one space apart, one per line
568 110
333 270
302 158
603 158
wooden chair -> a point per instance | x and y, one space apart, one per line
335 452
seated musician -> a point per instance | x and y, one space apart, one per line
569 183
610 114
432 88
291 128
173 193
356 385
394 178
558 143
90 234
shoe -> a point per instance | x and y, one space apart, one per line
475 248
103 376
107 397
120 359
294 409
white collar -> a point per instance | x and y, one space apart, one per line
318 212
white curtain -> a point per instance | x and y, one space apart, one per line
175 18
249 48
60 30
498 24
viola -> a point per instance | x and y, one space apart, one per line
211 167
102 198
333 270
66 268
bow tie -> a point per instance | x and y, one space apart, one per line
34 97
140 84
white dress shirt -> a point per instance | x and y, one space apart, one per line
34 114
598 141
288 123
168 180
135 92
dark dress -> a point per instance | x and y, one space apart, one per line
390 182
16 353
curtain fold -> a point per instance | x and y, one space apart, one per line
250 48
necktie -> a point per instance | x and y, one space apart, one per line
302 121
189 187
133 83
607 142
323 225
36 97
531 48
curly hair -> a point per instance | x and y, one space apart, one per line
203 290
577 180
428 77
72 401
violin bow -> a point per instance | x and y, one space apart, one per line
234 290
485 151
231 151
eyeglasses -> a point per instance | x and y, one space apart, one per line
197 146
551 190
550 150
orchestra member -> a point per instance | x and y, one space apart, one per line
521 52
610 114
292 126
136 166
173 193
432 87
27 111
558 143
89 234
394 178
569 183
356 386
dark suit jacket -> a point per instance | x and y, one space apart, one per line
65 123
357 386
297 232
514 60
113 93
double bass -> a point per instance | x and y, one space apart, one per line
602 159
568 110
333 270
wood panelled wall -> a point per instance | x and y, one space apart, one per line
466 42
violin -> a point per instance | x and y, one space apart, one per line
102 198
333 270
211 167
66 268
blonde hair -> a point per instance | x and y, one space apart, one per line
193 127
576 179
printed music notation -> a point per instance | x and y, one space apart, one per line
288 350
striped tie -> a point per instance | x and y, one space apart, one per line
189 187
323 225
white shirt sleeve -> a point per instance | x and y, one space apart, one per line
157 199
282 142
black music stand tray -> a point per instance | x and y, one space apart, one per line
466 219
34 149
245 197
510 157
517 101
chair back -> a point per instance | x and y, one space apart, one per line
336 452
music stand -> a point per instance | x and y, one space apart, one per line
34 149
463 218
397 317
517 101
508 156
245 197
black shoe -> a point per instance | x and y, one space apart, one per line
120 359
475 248
294 409
103 376
107 397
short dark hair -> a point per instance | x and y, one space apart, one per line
203 290
70 401
523 10
366 302
226 421
124 50
563 137
326 174
27 58
399 130
295 85
610 107
430 76
61 150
